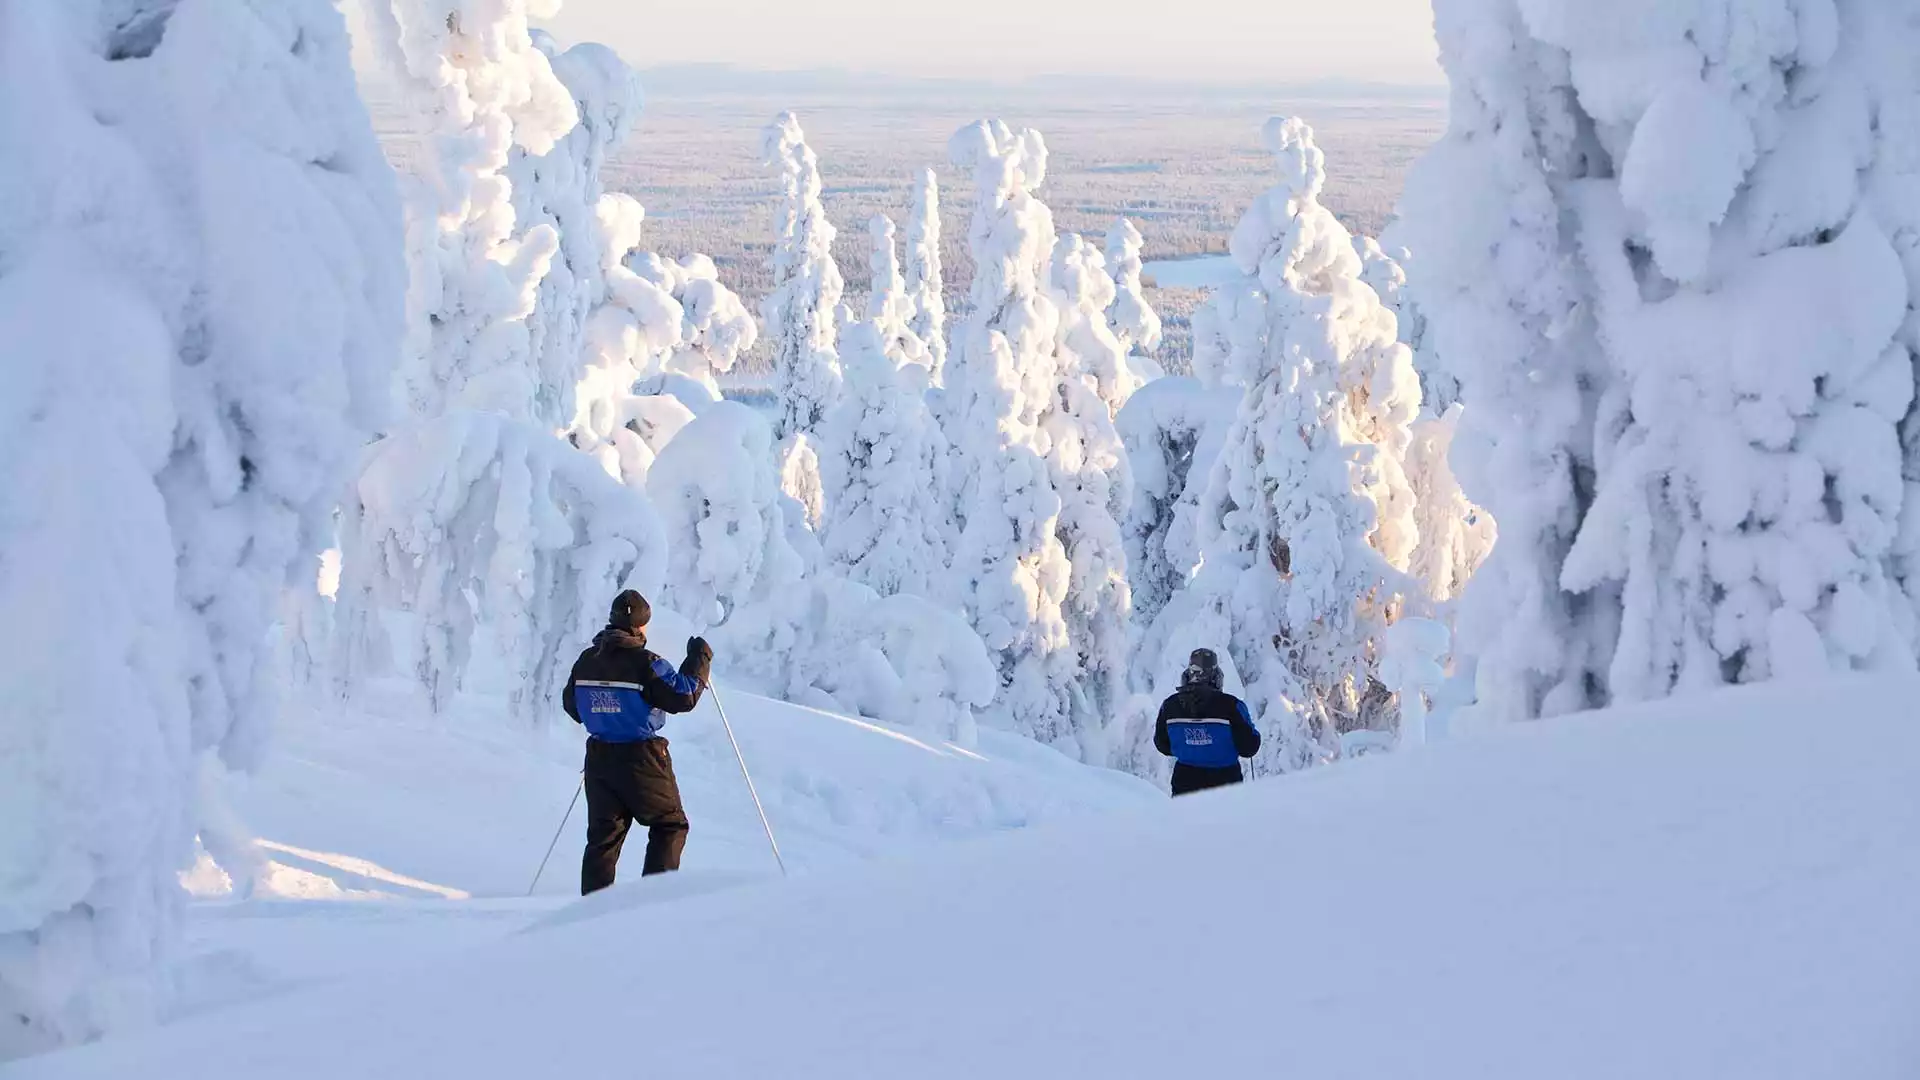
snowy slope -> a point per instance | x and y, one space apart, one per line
1685 890
470 804
389 837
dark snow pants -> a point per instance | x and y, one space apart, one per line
1188 779
625 783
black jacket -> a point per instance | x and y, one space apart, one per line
623 656
1206 703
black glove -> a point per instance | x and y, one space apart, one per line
699 662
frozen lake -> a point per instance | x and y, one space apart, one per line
1197 272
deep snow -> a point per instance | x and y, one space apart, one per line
387 835
469 804
1688 889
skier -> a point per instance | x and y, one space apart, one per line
622 694
1204 729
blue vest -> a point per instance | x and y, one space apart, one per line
1205 742
616 711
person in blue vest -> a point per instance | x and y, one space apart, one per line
622 693
1204 729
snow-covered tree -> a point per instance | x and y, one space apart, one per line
1501 300
1172 429
1675 308
1084 293
1010 566
715 326
1413 666
664 330
925 282
476 271
1132 319
815 637
1092 478
883 459
800 311
803 313
523 535
890 308
1455 535
188 384
472 513
944 672
1308 522
732 568
1385 273
1034 378
561 189
637 324
1229 342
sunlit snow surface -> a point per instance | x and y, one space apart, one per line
1685 890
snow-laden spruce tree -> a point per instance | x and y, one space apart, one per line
732 568
1088 348
945 674
187 386
1091 475
476 269
925 281
472 513
1132 320
1308 522
522 535
1172 429
1385 272
1229 334
1676 312
561 189
671 320
810 636
654 346
1010 567
802 312
883 459
890 307
1501 297
1455 535
715 326
637 324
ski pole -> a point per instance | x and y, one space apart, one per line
748 777
577 788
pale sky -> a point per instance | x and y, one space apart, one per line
1265 41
